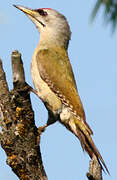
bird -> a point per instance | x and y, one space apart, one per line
53 77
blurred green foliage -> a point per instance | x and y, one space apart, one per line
110 12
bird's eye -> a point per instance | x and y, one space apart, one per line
41 12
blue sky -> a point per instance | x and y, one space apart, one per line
93 55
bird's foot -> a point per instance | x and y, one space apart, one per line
28 88
42 129
31 89
37 93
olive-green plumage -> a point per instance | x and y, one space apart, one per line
54 65
53 77
55 69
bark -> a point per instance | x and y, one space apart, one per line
95 170
19 136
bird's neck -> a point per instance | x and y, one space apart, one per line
49 40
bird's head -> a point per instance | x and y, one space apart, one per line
52 25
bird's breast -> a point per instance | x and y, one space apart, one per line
47 96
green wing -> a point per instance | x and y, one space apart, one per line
55 69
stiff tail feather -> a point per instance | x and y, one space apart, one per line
88 144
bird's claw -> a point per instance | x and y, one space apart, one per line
41 129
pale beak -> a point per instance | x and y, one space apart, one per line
31 13
26 10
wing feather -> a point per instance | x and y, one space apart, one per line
55 69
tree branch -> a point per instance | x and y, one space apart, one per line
19 137
95 170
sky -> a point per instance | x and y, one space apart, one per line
93 55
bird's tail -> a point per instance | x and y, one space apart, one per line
84 135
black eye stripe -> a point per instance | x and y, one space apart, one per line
41 12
